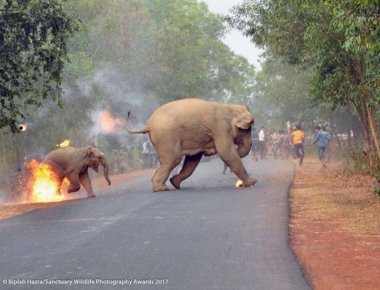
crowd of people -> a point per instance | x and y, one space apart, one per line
290 142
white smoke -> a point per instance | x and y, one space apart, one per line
105 123
118 98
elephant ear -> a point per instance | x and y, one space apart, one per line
244 122
91 154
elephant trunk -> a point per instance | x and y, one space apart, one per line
244 147
106 170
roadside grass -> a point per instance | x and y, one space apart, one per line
335 226
335 195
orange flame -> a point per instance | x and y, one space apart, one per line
239 183
108 123
64 143
22 127
45 183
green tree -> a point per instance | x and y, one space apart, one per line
339 39
131 54
282 94
33 37
169 49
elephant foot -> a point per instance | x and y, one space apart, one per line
175 182
91 196
160 187
74 188
250 182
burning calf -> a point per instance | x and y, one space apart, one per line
44 183
65 164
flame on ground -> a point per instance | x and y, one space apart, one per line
239 183
108 123
45 185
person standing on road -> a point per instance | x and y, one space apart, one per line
262 145
298 138
273 145
283 144
321 138
255 144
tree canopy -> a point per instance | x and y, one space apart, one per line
171 49
338 40
123 55
33 37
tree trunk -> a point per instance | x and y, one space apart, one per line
368 110
371 121
360 108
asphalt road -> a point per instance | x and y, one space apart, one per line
208 235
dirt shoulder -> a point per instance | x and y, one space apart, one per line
98 184
335 227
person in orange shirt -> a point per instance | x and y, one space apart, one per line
298 138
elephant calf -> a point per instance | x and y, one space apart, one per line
73 163
193 128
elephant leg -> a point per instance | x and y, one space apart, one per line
74 183
229 155
60 178
60 182
163 172
86 183
191 162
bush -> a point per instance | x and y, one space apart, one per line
376 169
355 161
376 174
376 191
124 160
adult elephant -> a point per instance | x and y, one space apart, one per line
73 163
194 127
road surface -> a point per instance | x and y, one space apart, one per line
208 235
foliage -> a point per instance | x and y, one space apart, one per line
376 171
187 31
281 95
33 37
337 39
376 191
128 54
170 49
355 161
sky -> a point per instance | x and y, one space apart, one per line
238 43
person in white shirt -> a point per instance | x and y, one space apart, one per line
262 145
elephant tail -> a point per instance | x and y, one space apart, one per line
142 131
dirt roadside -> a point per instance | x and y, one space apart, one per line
98 184
335 227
